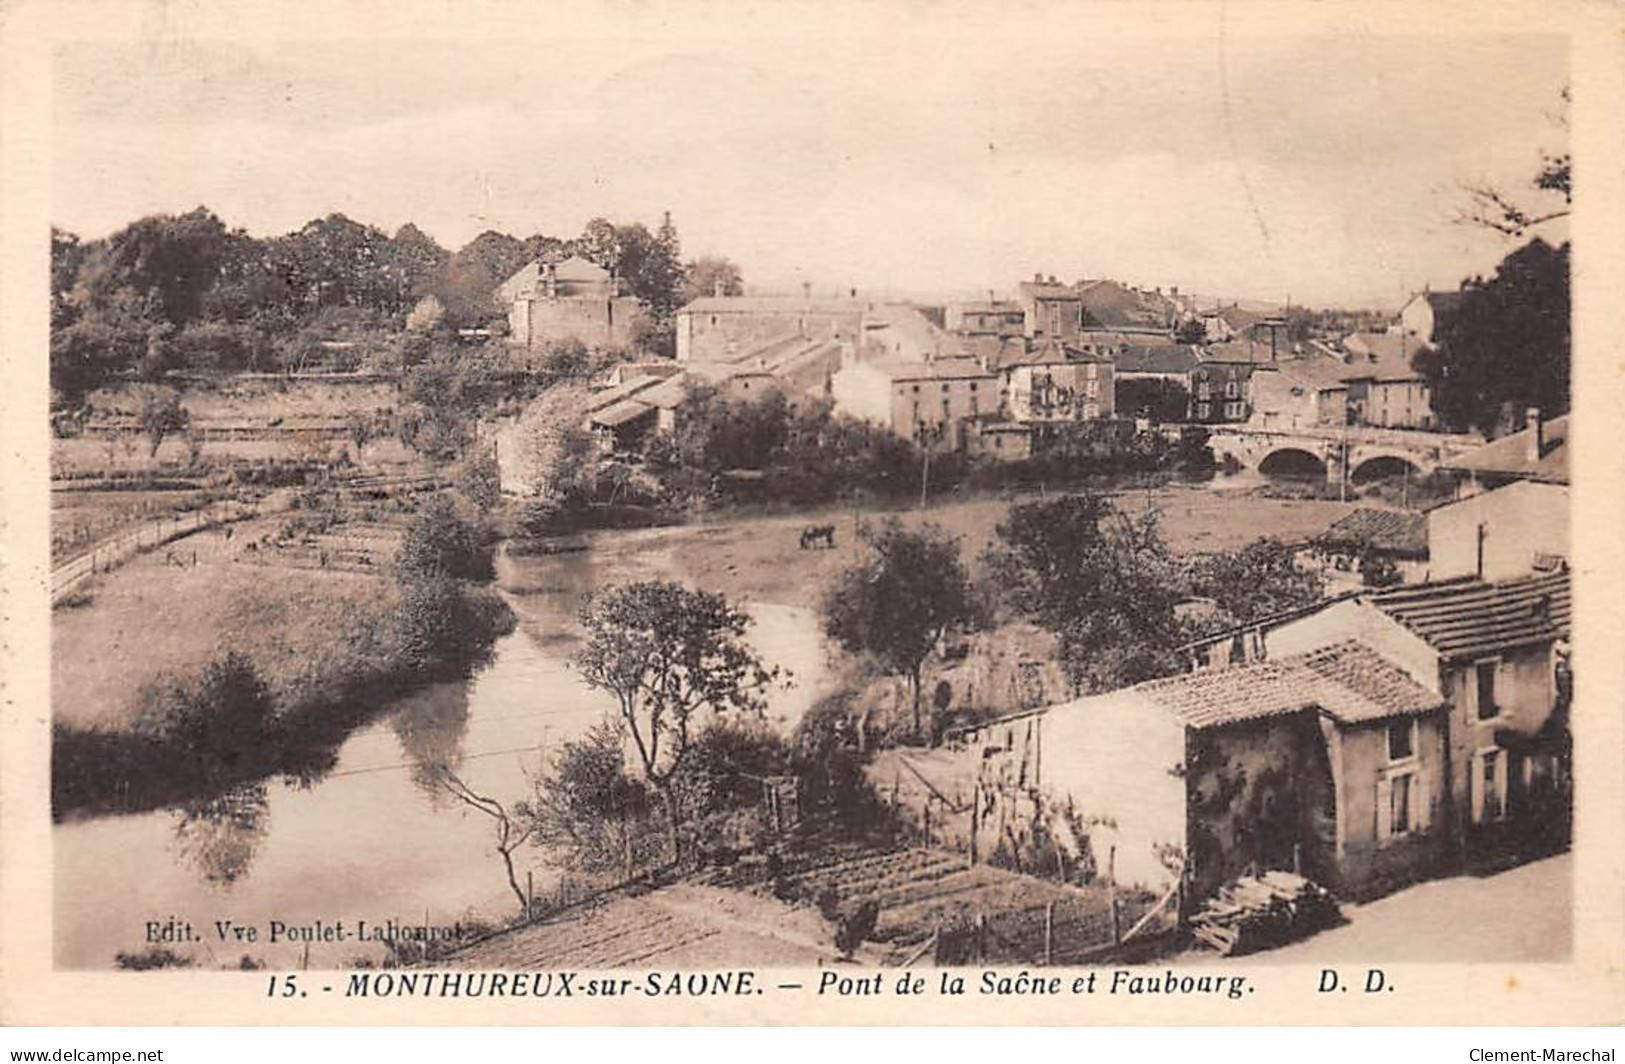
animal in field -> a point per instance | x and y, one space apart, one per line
818 535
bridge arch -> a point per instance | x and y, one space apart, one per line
1292 462
1382 466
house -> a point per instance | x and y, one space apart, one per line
1056 382
1221 383
1396 536
899 330
723 328
1515 530
1383 389
1331 762
1110 304
989 317
1538 452
1424 314
922 401
1050 310
550 302
1497 652
1154 380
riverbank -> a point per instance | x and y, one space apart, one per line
760 558
158 679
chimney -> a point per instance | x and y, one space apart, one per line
1052 279
1537 433
1038 278
852 293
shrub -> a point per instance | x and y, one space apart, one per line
444 541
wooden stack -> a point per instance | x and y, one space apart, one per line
1259 912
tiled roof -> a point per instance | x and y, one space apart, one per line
576 268
1380 356
1348 681
1157 358
1050 353
622 412
1319 372
1469 618
1394 531
1510 455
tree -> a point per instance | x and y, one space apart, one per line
588 806
558 458
514 828
900 600
442 541
669 655
711 275
1191 331
1514 216
160 413
1507 345
1261 579
1102 581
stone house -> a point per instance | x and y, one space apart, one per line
723 328
1050 310
924 401
1383 389
1329 762
550 302
1497 655
1056 382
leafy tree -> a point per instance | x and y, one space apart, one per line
669 655
160 413
897 602
1102 581
1507 345
588 806
1191 331
711 275
1261 579
558 457
443 541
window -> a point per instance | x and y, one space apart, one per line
1399 805
1092 371
1489 785
944 387
1202 390
1094 388
916 389
1203 410
973 386
1401 740
1230 389
1485 675
1091 411
1232 410
1402 805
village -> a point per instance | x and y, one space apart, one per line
1083 622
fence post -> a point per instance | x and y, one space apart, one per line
981 936
530 893
1111 887
975 818
1049 933
928 820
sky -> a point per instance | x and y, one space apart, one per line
915 154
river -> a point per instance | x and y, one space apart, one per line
376 839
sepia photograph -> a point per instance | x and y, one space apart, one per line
678 498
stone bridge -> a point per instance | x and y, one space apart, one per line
1357 451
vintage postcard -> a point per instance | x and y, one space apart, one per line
915 513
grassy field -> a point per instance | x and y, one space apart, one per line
759 558
151 616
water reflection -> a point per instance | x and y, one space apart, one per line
432 727
220 836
